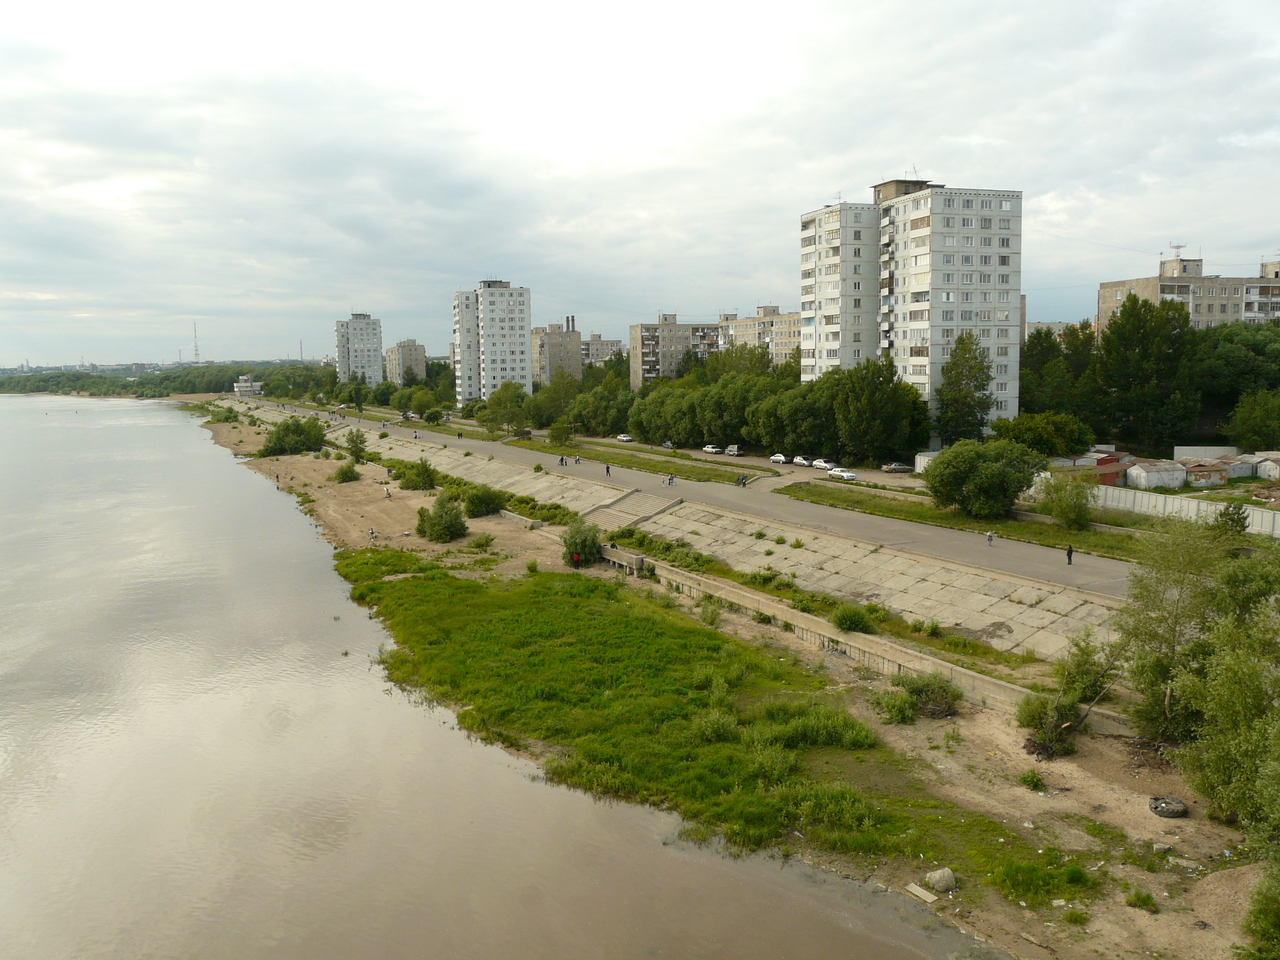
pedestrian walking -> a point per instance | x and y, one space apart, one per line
577 458
1070 553
991 538
606 471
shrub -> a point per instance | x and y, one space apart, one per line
931 693
715 726
1076 918
1262 923
710 614
1031 779
293 436
481 541
779 539
531 567
1068 498
1142 900
581 541
355 442
759 534
797 543
325 454
852 618
761 617
1051 722
1232 519
537 468
916 626
768 553
933 630
444 523
555 513
383 435
418 476
878 612
345 473
896 705
482 501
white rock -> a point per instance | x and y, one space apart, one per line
942 880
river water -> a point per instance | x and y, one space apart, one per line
198 759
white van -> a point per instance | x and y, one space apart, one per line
732 450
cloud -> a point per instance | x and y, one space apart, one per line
265 206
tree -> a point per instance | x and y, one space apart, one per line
345 473
505 408
878 415
357 393
410 377
983 480
293 436
1255 422
1053 434
1144 372
581 544
1232 520
1068 497
550 402
561 432
355 443
383 393
963 403
444 523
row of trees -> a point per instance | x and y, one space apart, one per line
1151 376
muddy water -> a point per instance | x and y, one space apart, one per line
198 760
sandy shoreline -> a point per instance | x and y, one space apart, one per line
1106 784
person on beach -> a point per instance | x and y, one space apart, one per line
1070 552
991 538
388 493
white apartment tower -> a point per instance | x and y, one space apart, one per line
358 348
948 261
491 342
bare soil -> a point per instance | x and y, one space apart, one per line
1094 803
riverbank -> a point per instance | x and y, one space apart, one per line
959 771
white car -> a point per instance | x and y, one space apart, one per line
802 462
779 458
712 448
824 464
842 473
624 438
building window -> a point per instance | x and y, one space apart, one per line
1002 351
948 259
1003 260
1002 333
1006 242
966 241
966 222
966 259
1002 369
948 315
1002 387
984 333
1006 204
966 204
948 333
985 223
948 203
985 241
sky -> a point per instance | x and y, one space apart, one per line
256 171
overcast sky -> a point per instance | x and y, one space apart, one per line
262 169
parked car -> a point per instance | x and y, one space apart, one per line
803 462
824 464
779 458
732 450
712 448
842 473
624 438
896 467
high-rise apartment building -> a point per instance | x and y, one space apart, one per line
557 346
1210 300
909 273
405 356
596 350
658 348
358 348
491 339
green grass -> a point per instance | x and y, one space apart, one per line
684 469
450 430
1115 545
649 451
638 702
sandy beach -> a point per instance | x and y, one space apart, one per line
1093 807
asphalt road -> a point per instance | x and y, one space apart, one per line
1096 574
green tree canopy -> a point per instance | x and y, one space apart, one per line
294 435
878 415
1053 434
963 403
505 408
983 480
1255 422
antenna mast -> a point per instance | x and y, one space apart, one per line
1177 249
196 337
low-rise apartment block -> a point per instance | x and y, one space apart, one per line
657 348
596 350
405 356
1210 300
780 332
556 347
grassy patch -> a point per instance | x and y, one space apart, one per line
1116 545
668 454
684 469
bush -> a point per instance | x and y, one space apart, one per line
931 693
983 480
581 544
481 541
1232 519
852 618
537 468
1142 900
383 435
1076 918
293 436
530 508
444 523
483 501
797 543
531 567
933 630
759 534
1051 723
1031 779
355 442
779 539
418 476
761 617
896 705
1068 498
345 473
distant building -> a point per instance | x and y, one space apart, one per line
657 348
246 387
596 350
557 346
405 356
491 339
358 348
1211 301
780 332
909 273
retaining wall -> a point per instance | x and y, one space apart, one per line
1261 520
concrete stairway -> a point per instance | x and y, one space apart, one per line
628 511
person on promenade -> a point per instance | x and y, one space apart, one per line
577 458
606 470
991 538
1070 552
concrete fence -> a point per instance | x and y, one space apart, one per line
874 653
1261 520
